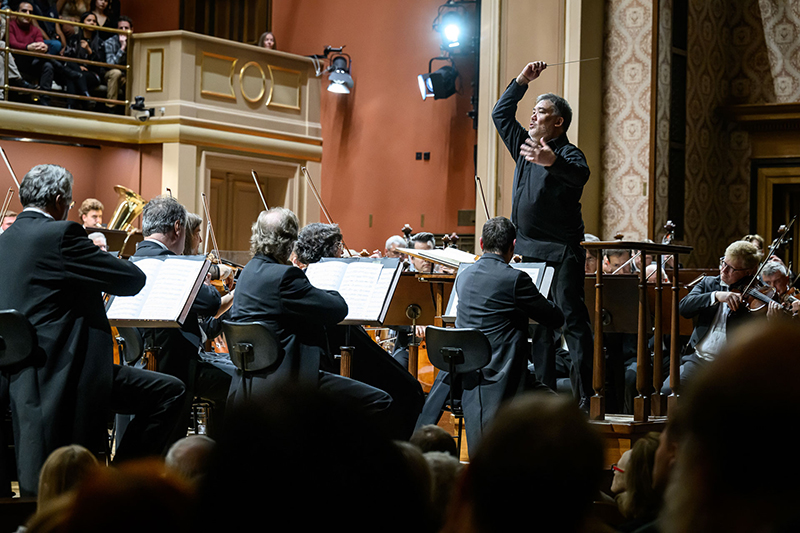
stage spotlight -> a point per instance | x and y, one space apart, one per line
340 80
451 28
439 84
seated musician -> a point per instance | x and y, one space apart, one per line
272 291
8 219
164 224
776 276
317 240
422 241
614 259
91 213
64 396
499 300
712 302
99 240
392 244
590 267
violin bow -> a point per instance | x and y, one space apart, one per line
258 188
209 227
775 244
8 165
483 196
322 205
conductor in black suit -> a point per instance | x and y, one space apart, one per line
271 290
546 208
498 300
55 278
164 228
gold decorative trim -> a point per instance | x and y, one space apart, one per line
233 60
263 82
270 103
148 87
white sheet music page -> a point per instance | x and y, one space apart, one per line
129 307
171 289
326 275
375 304
357 288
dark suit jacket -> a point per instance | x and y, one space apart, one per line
546 207
296 312
697 304
179 347
55 278
498 300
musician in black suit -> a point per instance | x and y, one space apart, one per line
546 208
711 303
164 228
272 291
55 278
498 300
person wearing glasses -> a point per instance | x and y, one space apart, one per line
711 301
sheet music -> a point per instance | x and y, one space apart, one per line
374 305
327 275
532 272
357 288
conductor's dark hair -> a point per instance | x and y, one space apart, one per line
498 235
563 109
317 240
160 215
43 183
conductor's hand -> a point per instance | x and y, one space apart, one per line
531 72
540 153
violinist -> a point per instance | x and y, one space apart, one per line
711 302
776 276
164 225
392 244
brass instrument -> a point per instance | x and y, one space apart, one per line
129 208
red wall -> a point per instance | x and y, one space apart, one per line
153 15
371 135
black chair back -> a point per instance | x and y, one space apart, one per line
457 350
18 340
252 345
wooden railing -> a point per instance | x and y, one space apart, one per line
6 50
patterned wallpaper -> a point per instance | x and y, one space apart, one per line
626 117
781 30
661 190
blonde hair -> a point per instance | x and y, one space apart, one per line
64 469
746 252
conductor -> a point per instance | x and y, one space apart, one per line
546 208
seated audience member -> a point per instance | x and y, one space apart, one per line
84 44
268 452
754 379
618 469
432 438
189 458
614 259
712 302
590 266
91 213
106 12
14 77
64 470
51 31
115 50
135 497
539 461
639 503
417 465
72 9
99 240
9 219
392 244
444 473
24 35
267 40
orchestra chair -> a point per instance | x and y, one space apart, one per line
458 351
252 347
131 345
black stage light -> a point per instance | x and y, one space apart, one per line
340 80
439 84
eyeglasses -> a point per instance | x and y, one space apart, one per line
71 204
615 468
723 266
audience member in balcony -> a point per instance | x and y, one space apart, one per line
14 76
91 213
115 50
24 35
84 44
52 33
107 13
267 40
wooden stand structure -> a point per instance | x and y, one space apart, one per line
629 429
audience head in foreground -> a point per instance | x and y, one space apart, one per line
189 457
345 476
63 470
745 396
540 460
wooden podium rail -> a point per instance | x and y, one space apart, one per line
644 400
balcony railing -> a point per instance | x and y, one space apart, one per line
7 50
